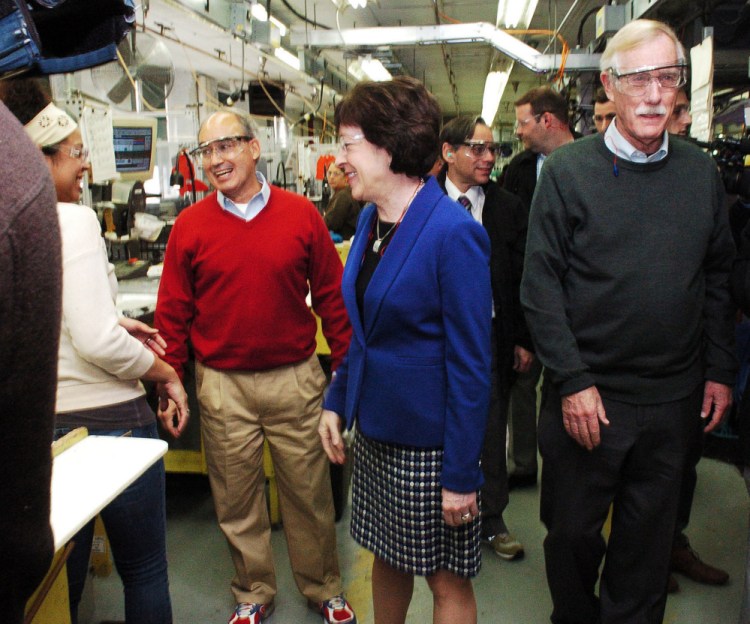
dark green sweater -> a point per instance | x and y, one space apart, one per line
626 277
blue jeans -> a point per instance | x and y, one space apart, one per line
136 527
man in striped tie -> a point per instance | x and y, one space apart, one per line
469 151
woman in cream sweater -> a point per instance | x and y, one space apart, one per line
102 359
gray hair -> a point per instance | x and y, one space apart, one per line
634 34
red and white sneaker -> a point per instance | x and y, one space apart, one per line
251 613
336 610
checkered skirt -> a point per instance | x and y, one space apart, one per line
397 511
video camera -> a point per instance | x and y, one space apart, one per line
730 155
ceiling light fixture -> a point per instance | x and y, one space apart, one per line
493 93
515 13
283 28
258 11
355 4
287 57
367 68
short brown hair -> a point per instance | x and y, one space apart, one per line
600 97
400 116
24 97
545 100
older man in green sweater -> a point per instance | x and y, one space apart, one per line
625 293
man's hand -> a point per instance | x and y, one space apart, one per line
582 413
329 429
716 397
522 359
173 409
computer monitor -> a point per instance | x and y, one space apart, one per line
134 141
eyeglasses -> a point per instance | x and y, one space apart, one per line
346 142
224 148
480 148
637 82
78 153
521 123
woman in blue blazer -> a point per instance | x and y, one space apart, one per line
416 379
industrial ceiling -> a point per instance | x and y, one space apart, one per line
220 39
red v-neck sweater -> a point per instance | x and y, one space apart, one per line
237 289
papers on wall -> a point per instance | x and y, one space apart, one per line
701 101
96 128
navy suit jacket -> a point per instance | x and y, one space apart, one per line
505 220
418 368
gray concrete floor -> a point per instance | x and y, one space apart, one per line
507 592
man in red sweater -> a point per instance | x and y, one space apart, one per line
237 269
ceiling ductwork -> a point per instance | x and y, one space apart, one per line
477 32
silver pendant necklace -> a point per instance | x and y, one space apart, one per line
379 240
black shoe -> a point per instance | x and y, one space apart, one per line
518 481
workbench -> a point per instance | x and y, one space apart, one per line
85 478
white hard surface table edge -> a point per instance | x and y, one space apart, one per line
90 474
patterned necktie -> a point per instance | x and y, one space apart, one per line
464 201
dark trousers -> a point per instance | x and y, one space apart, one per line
637 469
689 481
523 420
494 462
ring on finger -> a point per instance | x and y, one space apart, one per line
466 517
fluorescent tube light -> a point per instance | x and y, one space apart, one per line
365 68
287 57
493 93
515 13
258 11
283 28
355 4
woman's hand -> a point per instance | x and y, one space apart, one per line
459 508
149 336
329 429
173 409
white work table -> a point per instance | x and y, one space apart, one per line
91 473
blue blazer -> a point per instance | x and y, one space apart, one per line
418 368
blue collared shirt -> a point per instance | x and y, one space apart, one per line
621 147
251 209
540 158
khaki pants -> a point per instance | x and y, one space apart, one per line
240 409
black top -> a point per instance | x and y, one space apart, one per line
372 258
520 177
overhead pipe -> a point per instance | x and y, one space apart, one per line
476 32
